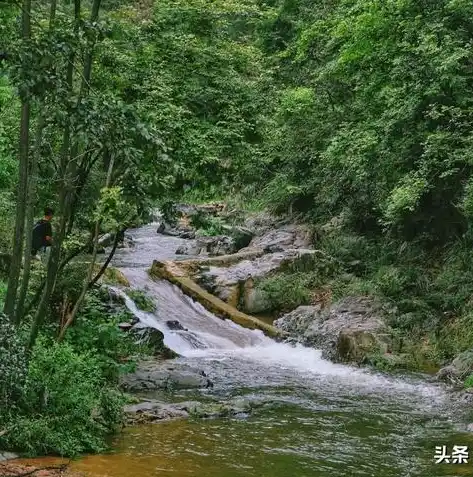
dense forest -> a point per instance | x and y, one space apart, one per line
354 116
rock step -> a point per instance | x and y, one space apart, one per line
176 273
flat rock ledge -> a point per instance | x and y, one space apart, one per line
150 411
152 375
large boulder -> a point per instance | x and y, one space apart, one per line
235 284
153 338
241 236
459 369
297 322
262 222
351 330
288 236
153 375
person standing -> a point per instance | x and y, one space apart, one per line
42 233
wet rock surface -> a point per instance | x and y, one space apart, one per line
283 237
151 410
154 375
4 456
210 246
349 331
458 370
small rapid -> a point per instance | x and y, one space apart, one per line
250 355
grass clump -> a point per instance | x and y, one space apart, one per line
142 300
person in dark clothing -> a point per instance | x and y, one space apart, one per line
43 233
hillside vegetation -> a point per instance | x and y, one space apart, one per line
357 113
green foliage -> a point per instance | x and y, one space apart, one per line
67 408
3 292
64 400
372 114
469 382
114 212
207 225
96 331
142 300
290 290
13 367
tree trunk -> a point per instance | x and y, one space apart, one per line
31 194
30 220
90 272
107 262
15 266
53 264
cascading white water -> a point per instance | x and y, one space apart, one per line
203 336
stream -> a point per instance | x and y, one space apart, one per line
324 419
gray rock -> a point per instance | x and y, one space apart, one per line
125 326
4 456
183 250
154 375
187 234
349 331
262 222
288 236
151 411
161 228
235 284
209 246
459 369
106 240
297 322
175 325
241 236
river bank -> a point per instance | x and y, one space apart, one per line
234 391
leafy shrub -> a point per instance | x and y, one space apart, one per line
207 224
13 366
287 291
96 331
67 408
169 211
469 382
113 276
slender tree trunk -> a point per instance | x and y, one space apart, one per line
107 262
30 220
31 196
15 266
63 264
90 272
53 263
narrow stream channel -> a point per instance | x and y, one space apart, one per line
322 420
